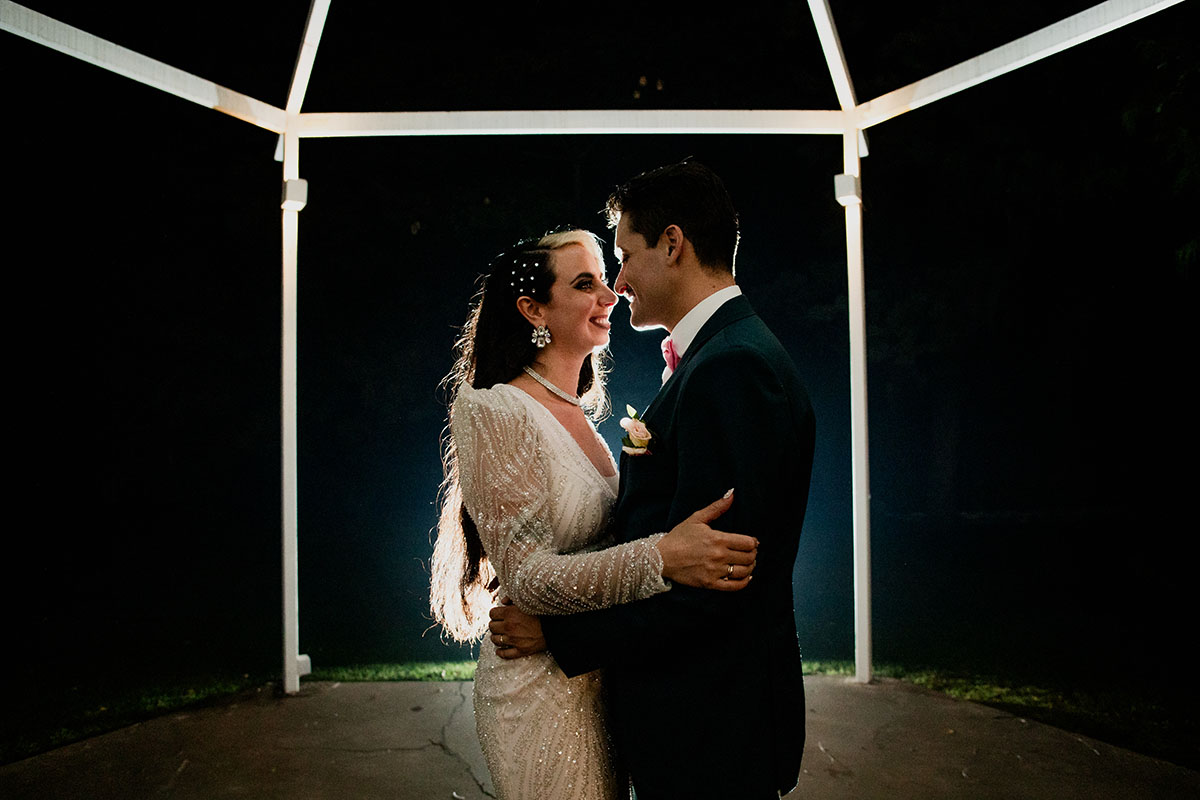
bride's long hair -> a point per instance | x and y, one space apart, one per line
494 346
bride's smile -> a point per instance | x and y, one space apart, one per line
580 301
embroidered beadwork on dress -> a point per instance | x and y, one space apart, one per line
541 509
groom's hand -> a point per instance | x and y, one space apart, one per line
514 632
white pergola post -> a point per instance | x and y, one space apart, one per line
848 189
295 195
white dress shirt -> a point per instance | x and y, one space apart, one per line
686 329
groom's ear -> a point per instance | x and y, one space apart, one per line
531 310
672 237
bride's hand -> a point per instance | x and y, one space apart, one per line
696 555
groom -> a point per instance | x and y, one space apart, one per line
705 690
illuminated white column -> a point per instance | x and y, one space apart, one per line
295 195
848 189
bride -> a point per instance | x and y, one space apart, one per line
529 486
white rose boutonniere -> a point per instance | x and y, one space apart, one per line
636 441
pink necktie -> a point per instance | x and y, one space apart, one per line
669 354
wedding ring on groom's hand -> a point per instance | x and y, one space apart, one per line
729 575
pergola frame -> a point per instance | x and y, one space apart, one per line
850 121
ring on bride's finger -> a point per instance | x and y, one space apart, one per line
502 640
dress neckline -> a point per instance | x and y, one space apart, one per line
608 480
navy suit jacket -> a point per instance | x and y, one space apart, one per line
705 690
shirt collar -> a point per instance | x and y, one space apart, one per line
686 329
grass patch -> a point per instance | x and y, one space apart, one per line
46 718
407 671
465 671
1154 719
845 668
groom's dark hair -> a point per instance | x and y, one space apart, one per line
687 194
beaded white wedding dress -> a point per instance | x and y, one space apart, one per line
541 508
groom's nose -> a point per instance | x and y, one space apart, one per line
619 286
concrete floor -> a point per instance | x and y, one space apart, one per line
417 740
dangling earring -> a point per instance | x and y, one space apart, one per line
541 336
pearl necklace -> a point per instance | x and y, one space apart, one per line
554 389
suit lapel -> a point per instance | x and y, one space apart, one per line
733 310
659 415
737 308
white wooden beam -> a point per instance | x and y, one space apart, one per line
64 38
831 45
317 12
839 71
1052 39
519 123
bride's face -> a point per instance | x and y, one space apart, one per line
580 300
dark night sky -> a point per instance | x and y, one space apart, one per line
1031 248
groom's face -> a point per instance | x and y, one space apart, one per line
642 279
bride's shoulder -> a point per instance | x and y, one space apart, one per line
498 414
500 400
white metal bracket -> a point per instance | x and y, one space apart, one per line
295 195
847 189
